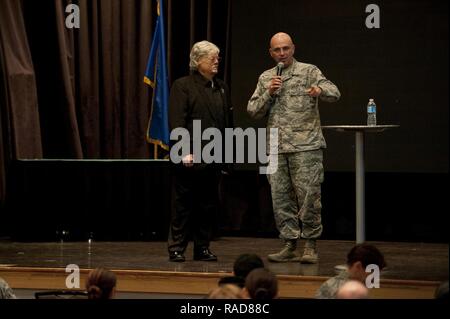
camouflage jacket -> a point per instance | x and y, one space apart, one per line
292 110
329 288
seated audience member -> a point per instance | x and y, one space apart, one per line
243 265
353 289
101 284
5 291
260 284
359 257
232 280
226 291
442 291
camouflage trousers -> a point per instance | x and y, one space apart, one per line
296 194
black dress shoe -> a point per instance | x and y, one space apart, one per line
176 256
204 254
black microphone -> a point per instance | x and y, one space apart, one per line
280 67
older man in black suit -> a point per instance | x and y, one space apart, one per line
199 96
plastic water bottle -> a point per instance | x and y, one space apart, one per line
371 113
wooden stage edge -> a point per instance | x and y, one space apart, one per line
196 283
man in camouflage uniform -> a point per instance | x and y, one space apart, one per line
291 101
359 257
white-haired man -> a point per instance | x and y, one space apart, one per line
199 96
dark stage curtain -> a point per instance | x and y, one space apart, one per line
79 93
20 134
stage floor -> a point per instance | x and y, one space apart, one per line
406 261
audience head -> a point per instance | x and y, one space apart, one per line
442 291
226 291
233 280
352 289
261 284
241 268
101 284
5 291
362 255
245 263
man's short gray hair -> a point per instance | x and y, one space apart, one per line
199 50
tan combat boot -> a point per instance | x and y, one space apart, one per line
287 254
310 255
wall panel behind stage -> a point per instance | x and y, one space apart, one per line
403 65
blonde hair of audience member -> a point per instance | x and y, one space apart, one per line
260 284
5 291
101 284
226 291
353 289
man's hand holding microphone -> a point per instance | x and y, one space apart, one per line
276 83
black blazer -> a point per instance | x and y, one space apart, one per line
188 102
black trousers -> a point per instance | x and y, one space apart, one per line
194 207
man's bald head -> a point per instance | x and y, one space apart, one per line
281 36
282 48
353 289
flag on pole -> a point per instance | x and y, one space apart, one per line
156 76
